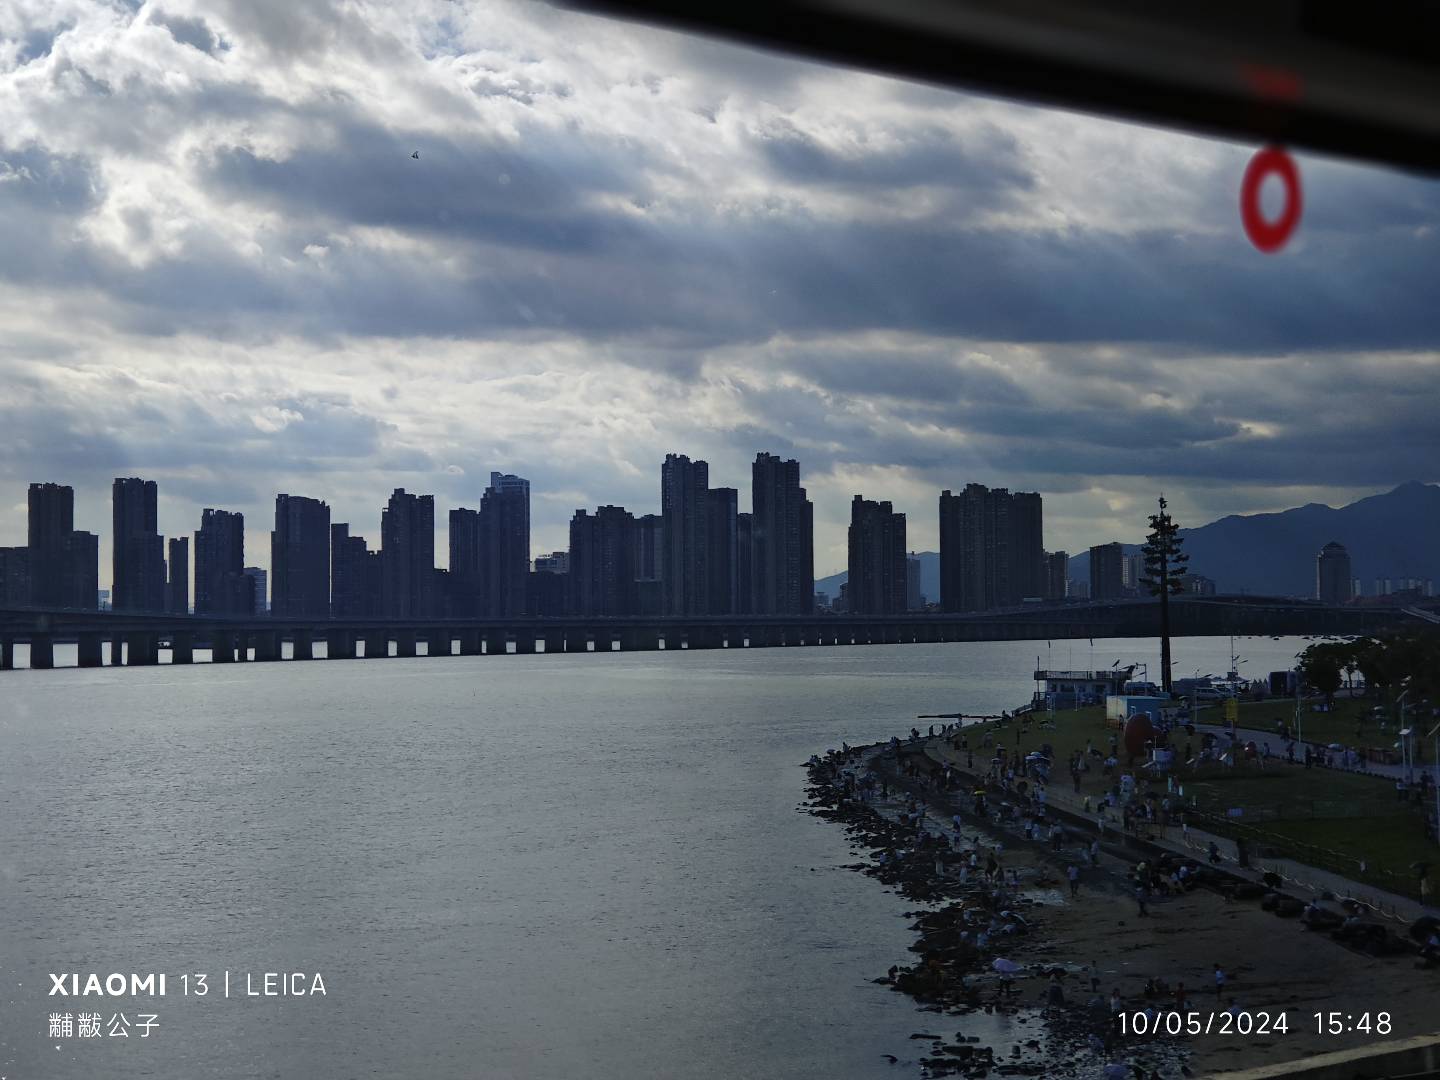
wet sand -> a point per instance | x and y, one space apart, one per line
1272 964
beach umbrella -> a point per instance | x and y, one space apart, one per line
1005 967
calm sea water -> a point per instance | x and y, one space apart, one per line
519 866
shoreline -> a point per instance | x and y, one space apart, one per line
1072 953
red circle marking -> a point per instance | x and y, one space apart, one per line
1270 235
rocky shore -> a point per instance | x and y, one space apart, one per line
1031 921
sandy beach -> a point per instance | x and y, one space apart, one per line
1081 949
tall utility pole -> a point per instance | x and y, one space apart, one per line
1164 565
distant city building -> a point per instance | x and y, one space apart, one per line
685 570
782 541
260 585
407 556
876 582
745 564
601 578
913 600
1197 585
649 547
1057 574
1132 574
822 601
63 565
14 576
1107 572
991 548
104 599
1332 574
722 555
177 584
504 545
1077 589
557 562
300 558
221 587
467 561
355 575
137 549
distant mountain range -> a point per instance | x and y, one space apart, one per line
1395 534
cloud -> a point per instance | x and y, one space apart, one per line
224 268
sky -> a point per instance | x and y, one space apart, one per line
225 271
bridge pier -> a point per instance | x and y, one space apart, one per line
182 647
267 645
377 644
553 638
89 650
576 641
222 647
302 645
117 650
42 651
339 645
405 642
470 643
437 643
142 649
7 654
702 637
495 643
525 641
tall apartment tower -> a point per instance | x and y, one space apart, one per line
782 529
991 548
505 544
466 563
1332 574
1057 570
221 586
407 556
878 572
177 586
600 580
300 558
1107 574
685 570
137 549
722 550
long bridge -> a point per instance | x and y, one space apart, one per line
142 639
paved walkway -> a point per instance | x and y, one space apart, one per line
1277 749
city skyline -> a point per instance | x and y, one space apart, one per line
617 241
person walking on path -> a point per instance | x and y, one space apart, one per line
1142 894
1073 873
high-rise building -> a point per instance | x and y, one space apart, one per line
649 547
1107 572
504 545
913 600
407 556
63 565
782 538
1057 573
549 584
14 576
557 562
260 588
745 564
601 578
177 585
137 548
1132 574
1332 574
467 561
991 548
722 550
221 587
685 570
355 575
877 577
1197 585
300 558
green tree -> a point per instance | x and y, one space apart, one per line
1164 565
1323 664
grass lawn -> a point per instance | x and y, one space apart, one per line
1352 816
1349 722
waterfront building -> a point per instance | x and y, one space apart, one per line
913 600
221 587
137 550
1197 585
300 558
722 550
684 505
260 588
1107 572
177 584
14 576
407 555
1332 574
992 550
877 574
601 578
557 562
504 545
1057 574
782 538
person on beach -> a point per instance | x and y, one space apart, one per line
1094 852
1142 896
1117 1003
1219 980
1073 873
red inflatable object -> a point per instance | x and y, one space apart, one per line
1138 732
